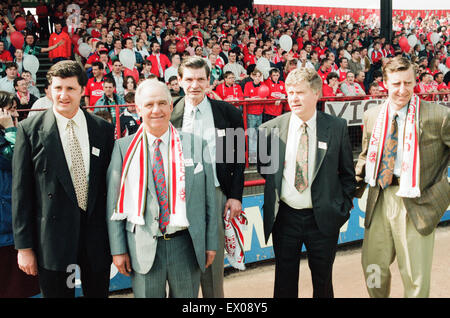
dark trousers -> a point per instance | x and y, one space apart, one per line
291 230
60 284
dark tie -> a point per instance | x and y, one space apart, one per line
301 167
389 154
160 185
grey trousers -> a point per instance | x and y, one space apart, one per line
212 278
176 264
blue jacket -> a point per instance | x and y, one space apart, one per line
6 233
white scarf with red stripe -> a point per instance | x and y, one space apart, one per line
410 175
131 203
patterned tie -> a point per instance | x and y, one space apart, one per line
160 184
79 178
301 168
389 154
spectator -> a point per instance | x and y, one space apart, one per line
229 90
350 88
24 99
173 69
31 48
118 77
7 82
277 90
129 119
159 61
254 112
109 98
439 79
64 50
94 87
232 66
360 79
114 53
303 60
129 85
343 69
174 87
5 55
324 70
331 88
31 86
44 102
354 63
14 282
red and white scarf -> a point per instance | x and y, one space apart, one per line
234 239
410 175
131 203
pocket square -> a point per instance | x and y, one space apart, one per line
198 168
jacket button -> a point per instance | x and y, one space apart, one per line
44 170
50 195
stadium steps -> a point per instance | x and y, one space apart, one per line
44 66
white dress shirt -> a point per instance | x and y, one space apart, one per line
289 193
202 125
81 132
164 149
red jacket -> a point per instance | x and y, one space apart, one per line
276 91
229 93
64 50
165 63
250 90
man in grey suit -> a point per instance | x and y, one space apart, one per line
155 241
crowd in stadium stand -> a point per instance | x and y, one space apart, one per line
347 54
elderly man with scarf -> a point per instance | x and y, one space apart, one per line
162 221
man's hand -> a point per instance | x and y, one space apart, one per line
210 255
123 263
26 259
234 206
6 120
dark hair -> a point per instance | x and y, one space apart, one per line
332 75
6 99
110 80
194 62
98 64
66 69
129 97
10 64
17 80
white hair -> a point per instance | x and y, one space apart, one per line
150 84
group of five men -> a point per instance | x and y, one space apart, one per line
155 201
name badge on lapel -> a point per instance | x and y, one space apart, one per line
322 145
188 162
95 151
221 132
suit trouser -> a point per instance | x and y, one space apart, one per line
392 233
291 230
212 278
175 262
59 284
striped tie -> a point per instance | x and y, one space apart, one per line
389 154
161 189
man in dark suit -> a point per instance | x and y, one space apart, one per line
308 168
59 190
222 126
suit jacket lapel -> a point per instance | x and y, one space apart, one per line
95 141
177 114
55 153
283 134
189 170
322 131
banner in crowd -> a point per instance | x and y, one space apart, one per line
353 110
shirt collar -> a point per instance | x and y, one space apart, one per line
401 113
62 121
164 138
201 107
311 123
